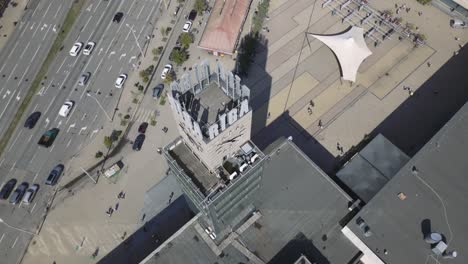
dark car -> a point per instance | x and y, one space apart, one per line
19 192
54 175
32 120
192 15
138 142
7 188
117 17
142 128
157 91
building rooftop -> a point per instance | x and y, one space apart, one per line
224 25
429 194
301 211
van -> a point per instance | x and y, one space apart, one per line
458 23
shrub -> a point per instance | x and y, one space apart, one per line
99 154
107 142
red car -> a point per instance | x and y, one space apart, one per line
142 127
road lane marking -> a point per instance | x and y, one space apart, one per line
142 7
45 35
61 64
70 127
69 142
14 243
110 54
32 158
27 69
84 115
30 137
35 31
95 117
14 141
52 148
9 76
32 209
35 107
82 129
94 132
25 49
1 162
6 106
32 26
1 239
59 124
47 121
45 15
89 7
110 68
50 104
58 10
89 19
12 167
24 30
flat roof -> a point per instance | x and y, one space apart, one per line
301 208
433 197
224 25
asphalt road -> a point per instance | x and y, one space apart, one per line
116 52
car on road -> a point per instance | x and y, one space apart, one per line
30 194
54 175
32 120
66 108
167 69
48 138
192 15
19 192
138 142
84 78
187 26
7 188
120 80
89 48
117 17
157 91
142 128
75 50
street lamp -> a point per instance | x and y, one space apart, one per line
102 108
19 229
136 39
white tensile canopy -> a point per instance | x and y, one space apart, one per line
350 49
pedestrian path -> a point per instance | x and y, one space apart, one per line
145 115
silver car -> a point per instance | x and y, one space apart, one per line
84 78
30 194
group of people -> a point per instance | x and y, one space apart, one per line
112 209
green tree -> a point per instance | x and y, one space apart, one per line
169 78
186 39
107 141
179 56
199 6
163 31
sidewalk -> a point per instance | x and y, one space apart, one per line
10 16
77 224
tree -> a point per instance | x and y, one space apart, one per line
186 39
179 56
199 6
107 141
169 78
163 31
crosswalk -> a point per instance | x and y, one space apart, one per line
145 115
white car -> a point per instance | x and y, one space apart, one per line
30 193
166 70
120 80
75 50
66 108
187 26
89 48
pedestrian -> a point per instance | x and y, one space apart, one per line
338 146
428 64
320 124
116 206
420 13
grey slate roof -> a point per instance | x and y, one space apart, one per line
435 184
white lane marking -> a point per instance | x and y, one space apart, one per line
1 239
6 106
24 30
45 15
35 31
110 68
95 117
35 107
32 26
84 115
14 47
58 10
69 142
89 7
110 54
47 121
27 69
34 206
61 64
35 176
41 91
59 124
45 35
70 127
32 158
121 68
82 129
123 55
100 50
30 137
1 162
14 243
18 96
25 49
14 141
52 148
131 58
89 19
142 7
94 132
9 76
50 104
12 167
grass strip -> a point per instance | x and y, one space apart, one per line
72 14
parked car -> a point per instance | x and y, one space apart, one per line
7 188
138 142
117 17
19 192
30 194
32 120
75 50
66 108
192 15
167 69
84 78
89 48
120 80
157 91
142 128
187 26
54 175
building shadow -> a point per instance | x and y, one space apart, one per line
422 115
297 247
153 233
